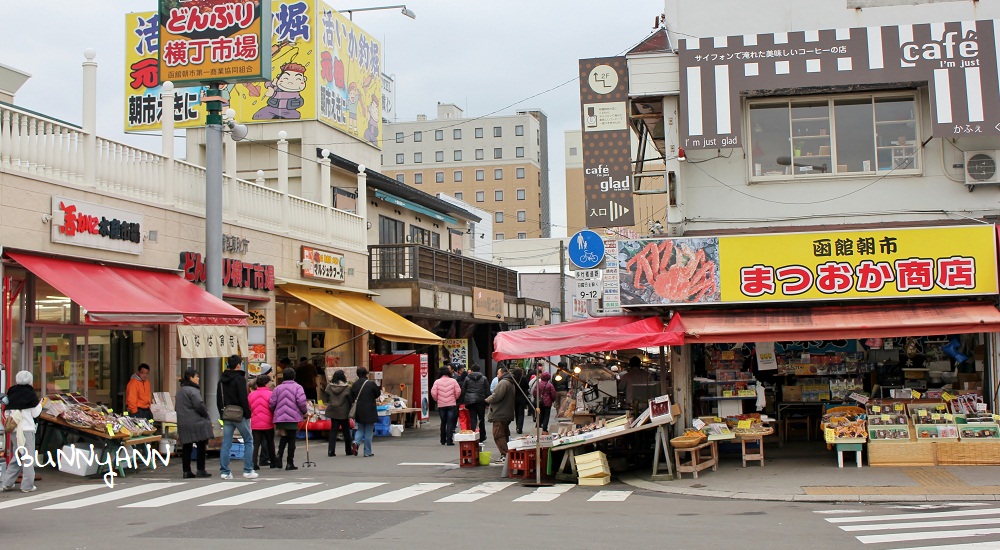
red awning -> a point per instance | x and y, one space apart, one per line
600 334
833 323
118 295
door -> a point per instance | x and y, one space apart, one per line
59 360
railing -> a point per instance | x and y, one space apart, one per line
396 262
37 146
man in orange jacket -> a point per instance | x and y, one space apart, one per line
138 395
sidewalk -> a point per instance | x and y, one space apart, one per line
807 472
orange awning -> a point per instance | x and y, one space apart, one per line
833 323
125 295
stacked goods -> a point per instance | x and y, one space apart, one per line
691 438
567 435
96 417
748 425
593 469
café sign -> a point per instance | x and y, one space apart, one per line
80 223
321 264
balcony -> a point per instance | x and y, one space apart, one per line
391 263
39 147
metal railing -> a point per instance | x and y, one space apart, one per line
414 262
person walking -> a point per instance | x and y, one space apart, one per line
262 422
545 396
364 393
288 403
446 391
521 399
561 384
338 409
496 379
232 392
24 407
193 423
305 375
138 394
475 389
502 412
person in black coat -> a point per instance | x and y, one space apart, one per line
475 390
520 398
365 393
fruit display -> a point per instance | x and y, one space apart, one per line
96 417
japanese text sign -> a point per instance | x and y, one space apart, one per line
205 41
235 273
96 226
487 304
321 264
957 60
836 265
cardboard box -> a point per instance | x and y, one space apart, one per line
163 414
970 381
77 465
791 393
595 481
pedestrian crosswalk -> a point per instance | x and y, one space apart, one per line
972 526
158 495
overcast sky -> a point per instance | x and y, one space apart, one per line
485 56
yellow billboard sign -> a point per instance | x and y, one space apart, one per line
834 265
213 40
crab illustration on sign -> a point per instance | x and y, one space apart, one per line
669 271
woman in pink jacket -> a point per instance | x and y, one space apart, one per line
446 392
262 424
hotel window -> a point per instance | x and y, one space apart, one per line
418 136
458 154
458 176
498 217
520 194
497 132
479 132
498 152
498 174
418 177
438 135
522 235
519 152
399 137
456 133
401 178
498 195
519 130
519 172
522 216
439 177
498 236
399 158
459 195
480 196
418 158
480 175
479 154
847 134
439 156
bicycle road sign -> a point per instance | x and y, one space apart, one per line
586 249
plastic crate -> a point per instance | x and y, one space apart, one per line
382 431
236 451
468 454
383 421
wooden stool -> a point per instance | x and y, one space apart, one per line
752 439
797 422
848 447
699 461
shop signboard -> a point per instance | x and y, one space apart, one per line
80 223
321 264
458 350
425 388
235 273
607 149
487 304
209 341
833 265
213 41
956 60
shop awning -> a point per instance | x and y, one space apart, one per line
410 205
126 295
591 335
834 323
362 312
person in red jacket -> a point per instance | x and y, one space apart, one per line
262 423
446 392
545 395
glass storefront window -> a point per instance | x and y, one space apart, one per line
51 306
296 314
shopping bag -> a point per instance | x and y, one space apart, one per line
464 422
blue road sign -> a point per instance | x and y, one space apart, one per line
586 249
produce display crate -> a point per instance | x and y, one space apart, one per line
969 452
938 432
978 431
890 434
904 453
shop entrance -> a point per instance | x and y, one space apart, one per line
58 360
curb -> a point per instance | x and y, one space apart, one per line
785 497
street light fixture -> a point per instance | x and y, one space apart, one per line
404 11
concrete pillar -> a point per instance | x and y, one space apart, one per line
167 134
283 178
681 374
90 118
362 202
675 214
325 197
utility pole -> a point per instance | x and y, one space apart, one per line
562 281
213 227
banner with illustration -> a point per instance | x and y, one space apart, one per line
834 265
458 350
323 67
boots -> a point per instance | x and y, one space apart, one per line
291 457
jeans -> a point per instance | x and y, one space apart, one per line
227 442
543 417
343 426
449 415
199 459
27 471
365 433
263 447
477 418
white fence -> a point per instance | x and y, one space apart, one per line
37 146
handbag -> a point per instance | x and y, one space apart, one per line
9 424
354 405
230 413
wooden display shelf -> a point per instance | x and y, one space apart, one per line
935 453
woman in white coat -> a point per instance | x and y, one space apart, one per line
24 407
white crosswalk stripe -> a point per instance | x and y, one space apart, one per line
479 491
110 495
403 494
545 494
314 493
259 494
331 494
929 525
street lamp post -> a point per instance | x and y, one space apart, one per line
404 11
213 226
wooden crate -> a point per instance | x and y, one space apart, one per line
914 453
593 481
594 470
970 453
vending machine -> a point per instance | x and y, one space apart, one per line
408 376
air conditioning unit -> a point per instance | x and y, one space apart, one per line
981 167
